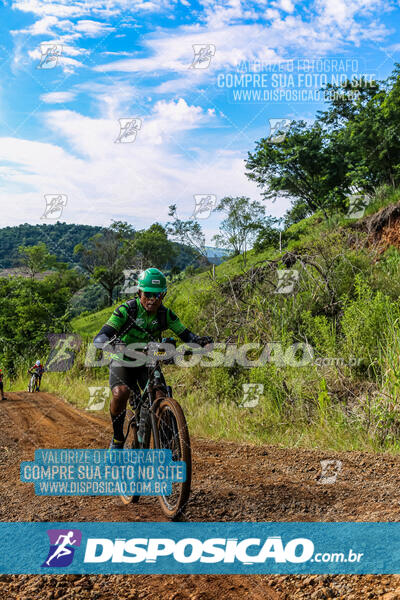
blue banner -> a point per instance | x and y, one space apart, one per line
90 472
200 548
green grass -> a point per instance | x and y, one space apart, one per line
182 292
211 400
71 386
324 407
89 325
224 419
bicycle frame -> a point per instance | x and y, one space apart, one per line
154 372
157 414
35 378
155 380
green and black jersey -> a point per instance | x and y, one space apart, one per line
144 320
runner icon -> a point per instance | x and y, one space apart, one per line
62 549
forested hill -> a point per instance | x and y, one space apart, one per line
60 239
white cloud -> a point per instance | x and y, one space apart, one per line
240 30
91 137
179 114
117 53
169 119
104 180
79 8
285 5
57 9
220 14
68 65
92 28
41 27
65 50
343 12
56 18
57 97
329 27
52 25
174 52
112 101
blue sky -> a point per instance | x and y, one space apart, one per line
125 59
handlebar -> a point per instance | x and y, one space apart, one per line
154 347
116 342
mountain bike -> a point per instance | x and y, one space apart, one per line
33 385
158 422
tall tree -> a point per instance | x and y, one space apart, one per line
187 232
30 310
307 166
36 259
106 255
152 248
244 219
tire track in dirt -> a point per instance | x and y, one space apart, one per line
231 482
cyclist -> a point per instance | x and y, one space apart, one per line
1 386
138 320
37 369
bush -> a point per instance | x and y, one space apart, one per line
365 322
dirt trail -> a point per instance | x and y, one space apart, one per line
231 482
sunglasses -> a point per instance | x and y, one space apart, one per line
153 294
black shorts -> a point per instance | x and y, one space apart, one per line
1 385
132 377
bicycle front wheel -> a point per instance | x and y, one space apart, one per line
174 435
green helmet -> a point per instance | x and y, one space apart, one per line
152 280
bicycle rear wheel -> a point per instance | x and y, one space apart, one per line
174 435
131 442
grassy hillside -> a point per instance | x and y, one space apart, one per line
88 325
180 295
338 387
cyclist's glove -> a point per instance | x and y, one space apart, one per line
104 336
204 340
191 338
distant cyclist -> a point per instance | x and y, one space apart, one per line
38 370
1 386
139 320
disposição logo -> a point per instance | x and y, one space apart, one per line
62 547
191 550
